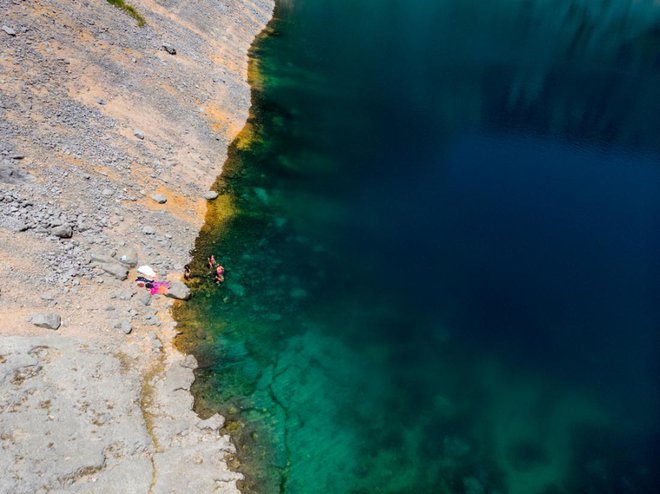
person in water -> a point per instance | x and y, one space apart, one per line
219 274
187 273
211 262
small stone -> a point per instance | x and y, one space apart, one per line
144 297
155 342
100 101
210 195
9 31
159 198
48 320
62 231
169 49
125 295
148 230
138 133
107 192
124 326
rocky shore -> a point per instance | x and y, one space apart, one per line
110 136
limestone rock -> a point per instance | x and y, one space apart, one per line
63 231
144 297
190 362
159 198
210 195
179 291
169 49
115 269
13 224
9 31
214 422
48 320
139 134
128 256
102 257
124 326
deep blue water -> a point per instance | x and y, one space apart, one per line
443 252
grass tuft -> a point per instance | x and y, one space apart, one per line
130 10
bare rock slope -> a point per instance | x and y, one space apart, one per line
110 136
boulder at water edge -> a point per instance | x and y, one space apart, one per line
179 291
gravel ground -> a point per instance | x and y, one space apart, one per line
96 117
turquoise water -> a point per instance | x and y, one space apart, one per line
441 232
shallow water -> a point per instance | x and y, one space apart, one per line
441 231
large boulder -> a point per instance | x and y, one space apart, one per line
115 269
128 256
48 320
179 291
102 257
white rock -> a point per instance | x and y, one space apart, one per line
159 198
48 320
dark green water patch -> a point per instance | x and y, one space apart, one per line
440 232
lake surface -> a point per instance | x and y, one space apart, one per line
441 235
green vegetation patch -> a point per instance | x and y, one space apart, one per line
130 10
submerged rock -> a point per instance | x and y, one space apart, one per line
238 290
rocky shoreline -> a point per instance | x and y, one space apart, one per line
110 136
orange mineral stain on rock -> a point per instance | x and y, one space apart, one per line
179 206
